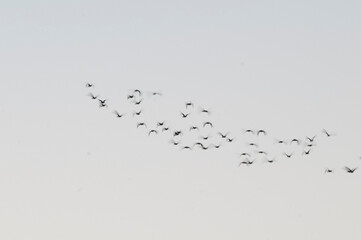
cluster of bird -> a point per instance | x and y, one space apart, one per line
202 141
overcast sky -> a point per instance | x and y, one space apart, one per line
71 170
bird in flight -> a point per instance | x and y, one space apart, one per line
141 124
193 128
184 115
152 131
159 124
249 131
327 170
205 111
189 104
223 135
137 113
174 142
92 96
295 140
288 155
89 85
246 162
165 129
307 152
118 115
326 133
350 170
311 139
102 101
138 102
207 123
138 92
261 131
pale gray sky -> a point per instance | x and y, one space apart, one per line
69 170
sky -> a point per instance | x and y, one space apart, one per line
71 170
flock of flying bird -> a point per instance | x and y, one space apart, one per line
202 141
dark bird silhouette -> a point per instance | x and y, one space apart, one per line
138 92
159 124
307 152
137 113
311 139
295 140
141 124
138 102
177 133
92 96
215 146
89 85
230 140
246 162
253 144
262 152
198 144
261 131
102 101
165 129
184 115
130 96
288 155
249 131
153 131
350 170
205 111
327 170
327 133
118 115
207 123
189 104
102 105
193 128
223 135
204 137
270 160
280 141
245 154
174 142
187 147
157 94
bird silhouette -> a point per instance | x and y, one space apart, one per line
118 115
350 170
92 96
102 101
165 129
193 128
137 113
138 92
295 140
153 131
288 155
160 124
261 131
89 85
307 152
189 104
327 170
174 142
138 102
141 124
223 135
327 133
207 123
311 139
184 115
